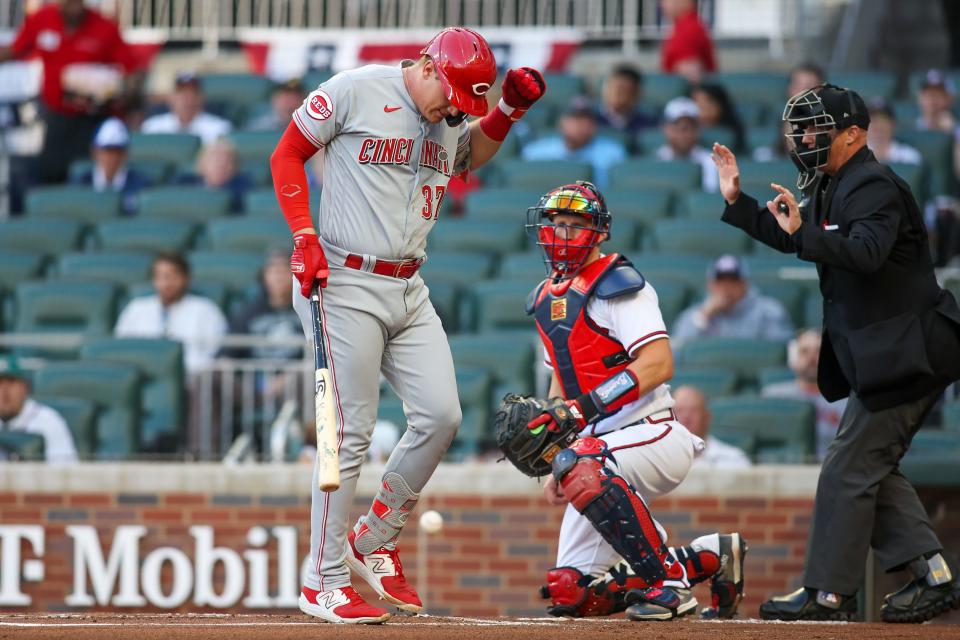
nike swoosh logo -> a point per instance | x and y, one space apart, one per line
387 109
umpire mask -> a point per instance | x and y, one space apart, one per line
566 247
816 112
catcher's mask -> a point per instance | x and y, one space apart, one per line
817 112
566 246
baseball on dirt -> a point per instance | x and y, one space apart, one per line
431 521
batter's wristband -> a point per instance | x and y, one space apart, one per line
497 123
611 394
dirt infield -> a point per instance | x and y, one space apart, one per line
296 627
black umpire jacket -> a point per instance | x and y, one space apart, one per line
890 332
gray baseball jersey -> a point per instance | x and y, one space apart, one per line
386 168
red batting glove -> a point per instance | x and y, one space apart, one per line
520 89
560 413
308 263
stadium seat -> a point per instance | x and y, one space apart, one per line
918 177
249 234
20 233
258 170
508 205
709 238
81 416
561 86
115 388
813 311
170 148
937 150
445 296
649 140
869 84
524 267
774 375
21 446
783 426
712 382
315 78
489 236
121 268
163 399
763 136
701 205
263 202
254 145
757 87
82 204
935 441
469 435
755 177
646 173
723 135
673 297
18 266
53 307
459 267
754 114
186 203
951 415
744 356
507 356
232 94
151 235
660 88
542 175
689 270
154 169
496 305
642 205
792 295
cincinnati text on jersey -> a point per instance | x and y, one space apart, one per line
398 151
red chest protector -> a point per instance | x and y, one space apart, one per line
582 353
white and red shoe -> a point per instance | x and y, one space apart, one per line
383 571
343 606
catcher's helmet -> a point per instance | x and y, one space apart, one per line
466 67
565 253
825 107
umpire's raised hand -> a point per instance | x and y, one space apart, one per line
728 170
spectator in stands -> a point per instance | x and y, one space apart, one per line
218 168
681 127
285 99
803 356
732 309
688 50
805 75
110 170
186 113
717 110
271 314
622 93
880 136
19 412
88 71
935 99
578 140
692 411
173 312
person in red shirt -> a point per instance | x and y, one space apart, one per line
688 50
84 63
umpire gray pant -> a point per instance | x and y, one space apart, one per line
863 500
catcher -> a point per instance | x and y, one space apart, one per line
608 436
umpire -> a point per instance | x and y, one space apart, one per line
891 342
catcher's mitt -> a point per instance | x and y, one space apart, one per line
532 451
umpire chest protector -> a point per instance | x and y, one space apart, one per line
582 353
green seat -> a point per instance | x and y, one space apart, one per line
757 87
660 88
233 93
488 236
649 140
468 438
525 267
81 418
775 375
687 269
115 388
813 311
763 136
784 426
21 446
458 267
114 267
951 416
254 145
146 234
508 205
189 204
562 86
445 296
163 399
700 205
21 233
755 178
936 147
498 305
743 356
673 297
709 238
648 173
17 266
169 148
506 356
635 210
235 269
542 175
153 169
82 204
723 135
711 381
315 78
53 307
263 202
869 84
249 234
939 441
792 295
917 176
754 113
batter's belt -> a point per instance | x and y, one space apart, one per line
404 269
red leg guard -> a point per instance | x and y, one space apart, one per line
699 564
570 594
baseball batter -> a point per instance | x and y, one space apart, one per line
605 341
392 137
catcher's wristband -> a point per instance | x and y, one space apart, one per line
497 123
616 391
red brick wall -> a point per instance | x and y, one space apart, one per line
489 559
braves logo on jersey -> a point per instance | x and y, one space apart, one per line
319 106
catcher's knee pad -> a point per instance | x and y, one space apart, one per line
572 593
612 507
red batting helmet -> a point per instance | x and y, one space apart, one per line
466 68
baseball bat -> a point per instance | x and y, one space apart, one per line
328 462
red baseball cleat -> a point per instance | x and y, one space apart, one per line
344 606
383 571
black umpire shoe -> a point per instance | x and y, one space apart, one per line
802 605
919 602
